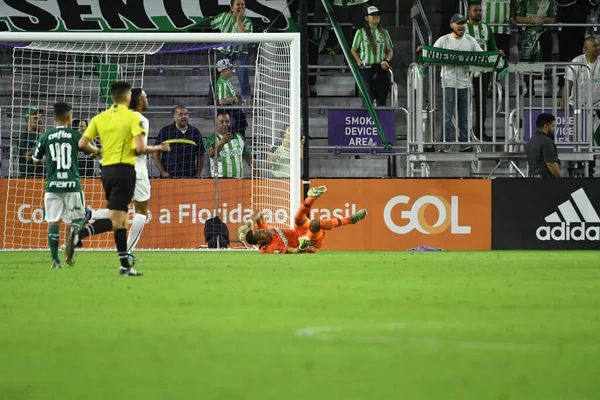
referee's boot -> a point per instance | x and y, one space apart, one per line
129 272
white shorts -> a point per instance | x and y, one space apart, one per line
68 207
142 189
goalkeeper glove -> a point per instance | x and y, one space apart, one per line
242 230
304 243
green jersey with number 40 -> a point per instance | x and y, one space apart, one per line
60 146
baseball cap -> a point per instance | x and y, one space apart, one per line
458 18
372 10
224 64
31 111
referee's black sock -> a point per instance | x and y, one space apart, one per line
99 226
121 241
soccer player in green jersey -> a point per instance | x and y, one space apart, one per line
227 150
372 49
63 199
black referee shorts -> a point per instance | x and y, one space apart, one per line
118 181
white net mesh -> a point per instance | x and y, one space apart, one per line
271 134
171 74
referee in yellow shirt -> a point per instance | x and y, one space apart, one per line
121 133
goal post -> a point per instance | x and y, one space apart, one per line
59 66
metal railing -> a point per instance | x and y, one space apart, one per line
415 12
512 117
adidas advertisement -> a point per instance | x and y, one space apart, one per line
545 214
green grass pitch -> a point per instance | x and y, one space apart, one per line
335 325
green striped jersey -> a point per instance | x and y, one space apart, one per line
361 42
482 33
60 146
350 2
533 9
224 88
226 24
497 12
229 162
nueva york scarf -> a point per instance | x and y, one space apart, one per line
491 60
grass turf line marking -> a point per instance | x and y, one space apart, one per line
336 333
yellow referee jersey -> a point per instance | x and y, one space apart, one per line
117 128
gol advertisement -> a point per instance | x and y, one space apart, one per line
452 214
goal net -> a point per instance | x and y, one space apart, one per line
180 81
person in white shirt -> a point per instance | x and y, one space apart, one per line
141 194
456 82
586 78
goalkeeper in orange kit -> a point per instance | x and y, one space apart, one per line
306 237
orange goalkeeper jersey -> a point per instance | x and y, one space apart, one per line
281 239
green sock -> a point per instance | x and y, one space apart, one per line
53 240
78 222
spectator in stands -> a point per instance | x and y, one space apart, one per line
86 164
449 8
226 96
236 21
536 40
500 12
456 83
27 141
572 12
586 80
185 158
542 157
279 160
227 150
484 36
373 50
350 11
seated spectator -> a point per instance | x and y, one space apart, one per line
227 150
226 96
372 49
86 164
279 160
185 158
536 40
236 21
27 142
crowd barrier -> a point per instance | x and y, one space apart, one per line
453 214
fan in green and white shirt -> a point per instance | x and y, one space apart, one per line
481 32
234 21
225 91
362 45
227 151
498 12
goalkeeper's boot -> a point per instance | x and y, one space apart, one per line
88 216
357 216
129 272
132 259
72 242
317 192
56 264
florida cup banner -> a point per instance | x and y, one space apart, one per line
403 213
133 16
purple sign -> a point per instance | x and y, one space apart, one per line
565 128
355 128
